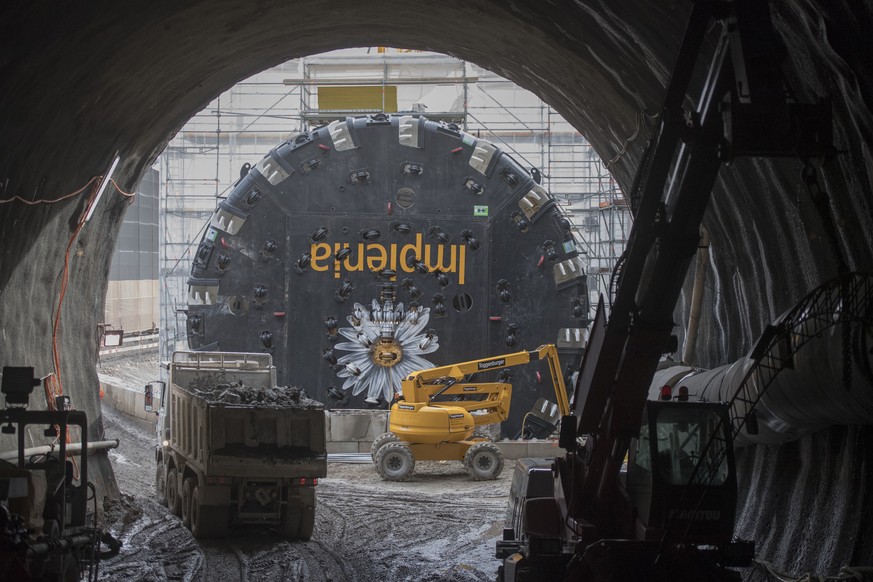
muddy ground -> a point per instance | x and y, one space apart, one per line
438 526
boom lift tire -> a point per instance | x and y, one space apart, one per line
161 484
187 489
379 441
207 521
395 461
484 461
174 499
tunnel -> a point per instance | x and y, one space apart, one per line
86 83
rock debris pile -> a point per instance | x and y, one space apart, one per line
222 392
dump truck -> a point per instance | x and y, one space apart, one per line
234 448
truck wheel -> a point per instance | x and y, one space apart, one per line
307 517
298 515
161 485
207 521
298 523
307 523
483 461
174 499
187 488
292 519
382 439
395 462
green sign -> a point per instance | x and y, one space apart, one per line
480 211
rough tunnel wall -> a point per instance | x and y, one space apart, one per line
29 296
809 504
84 81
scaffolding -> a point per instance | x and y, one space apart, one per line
204 160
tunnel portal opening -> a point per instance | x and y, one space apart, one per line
604 68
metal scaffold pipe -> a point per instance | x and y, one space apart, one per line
812 369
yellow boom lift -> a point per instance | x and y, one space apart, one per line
437 413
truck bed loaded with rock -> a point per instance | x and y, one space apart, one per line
234 448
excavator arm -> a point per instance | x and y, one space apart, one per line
742 94
590 515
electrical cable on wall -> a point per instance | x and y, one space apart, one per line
53 384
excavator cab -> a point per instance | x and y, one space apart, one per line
681 476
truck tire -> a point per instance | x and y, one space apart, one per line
290 526
298 515
174 499
207 521
483 461
395 461
298 523
161 484
379 441
187 489
307 523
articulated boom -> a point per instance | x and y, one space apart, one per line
420 418
422 386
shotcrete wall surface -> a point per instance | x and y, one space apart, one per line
83 82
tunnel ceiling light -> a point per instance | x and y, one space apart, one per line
106 179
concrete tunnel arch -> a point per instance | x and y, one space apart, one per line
82 83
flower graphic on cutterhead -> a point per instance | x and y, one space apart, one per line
386 343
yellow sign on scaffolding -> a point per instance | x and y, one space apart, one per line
384 49
350 98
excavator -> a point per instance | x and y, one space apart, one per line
437 413
670 515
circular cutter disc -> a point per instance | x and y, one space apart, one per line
375 246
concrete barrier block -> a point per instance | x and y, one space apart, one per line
127 404
139 405
513 449
357 425
521 449
364 446
543 449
